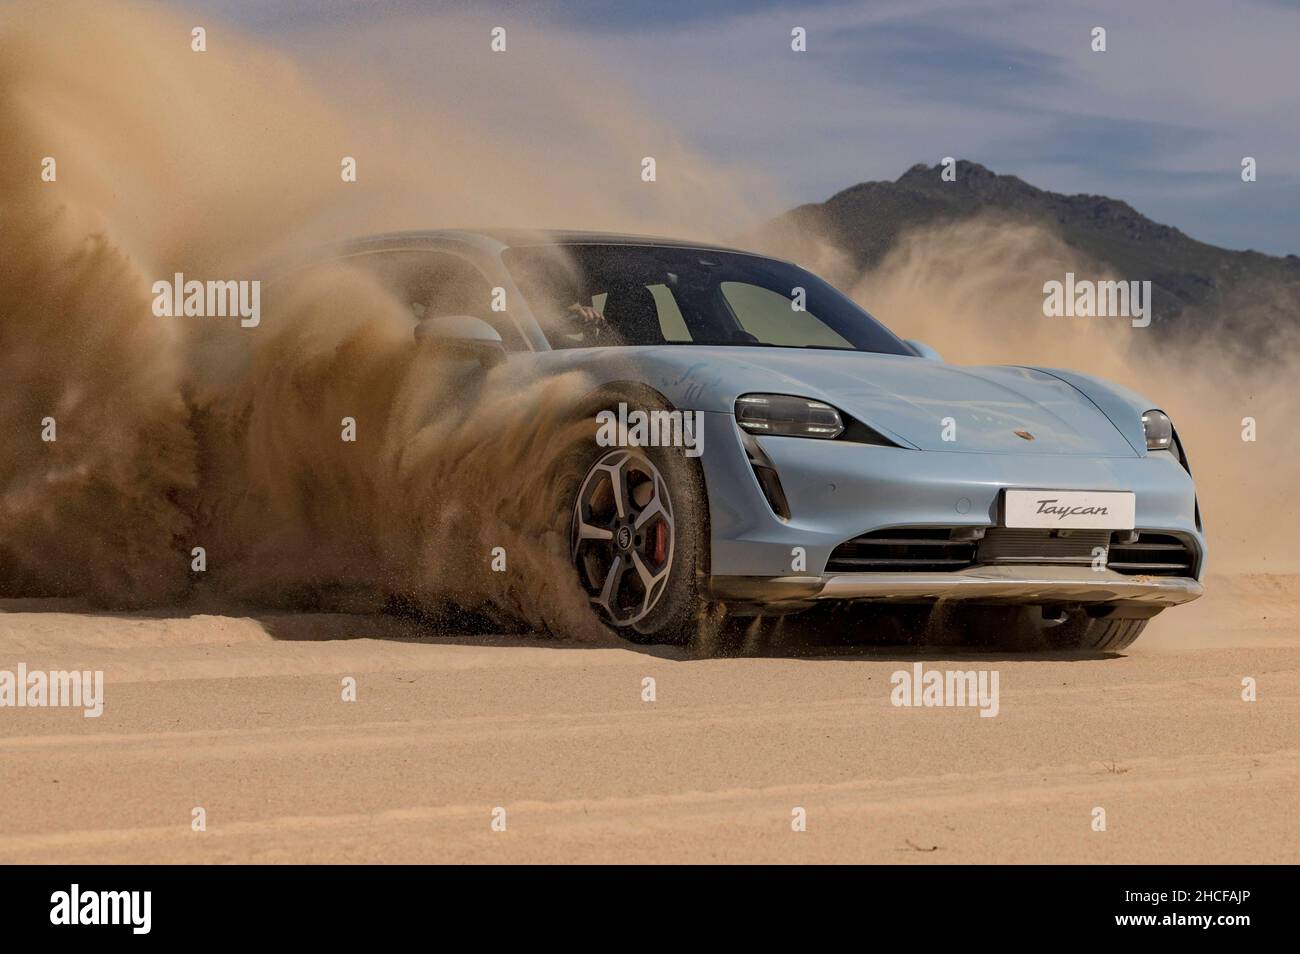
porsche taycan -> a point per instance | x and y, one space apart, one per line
767 446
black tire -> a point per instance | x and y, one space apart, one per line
1023 629
1085 634
682 610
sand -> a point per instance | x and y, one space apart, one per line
243 717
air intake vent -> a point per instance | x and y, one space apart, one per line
1042 547
902 550
944 549
1153 554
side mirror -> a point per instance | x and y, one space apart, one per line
923 349
462 336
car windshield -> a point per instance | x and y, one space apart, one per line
590 296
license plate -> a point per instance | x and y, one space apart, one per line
1060 509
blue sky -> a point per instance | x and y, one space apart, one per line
1161 119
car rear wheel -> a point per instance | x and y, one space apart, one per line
639 542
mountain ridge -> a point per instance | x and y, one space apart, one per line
866 220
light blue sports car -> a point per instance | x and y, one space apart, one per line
762 445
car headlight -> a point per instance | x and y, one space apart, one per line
1159 430
788 416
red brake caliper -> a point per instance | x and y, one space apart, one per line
661 543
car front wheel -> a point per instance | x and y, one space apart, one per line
639 542
1098 629
1098 635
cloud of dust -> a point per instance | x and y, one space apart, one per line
974 291
181 432
448 464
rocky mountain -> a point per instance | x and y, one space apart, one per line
1208 284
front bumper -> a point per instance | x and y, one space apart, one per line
1027 585
838 490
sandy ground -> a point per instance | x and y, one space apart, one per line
243 716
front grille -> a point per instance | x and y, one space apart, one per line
945 549
1042 547
902 550
1153 554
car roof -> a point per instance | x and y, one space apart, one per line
514 238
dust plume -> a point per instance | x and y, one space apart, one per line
448 464
974 290
130 156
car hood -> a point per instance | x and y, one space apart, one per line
907 399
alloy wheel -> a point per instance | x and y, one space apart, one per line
623 536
